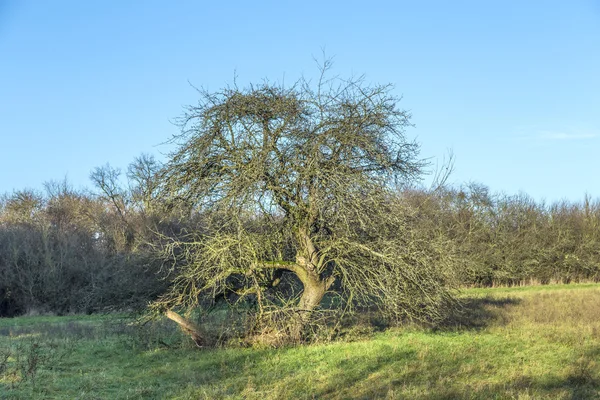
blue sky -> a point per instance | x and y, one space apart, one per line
511 87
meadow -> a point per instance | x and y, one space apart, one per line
509 343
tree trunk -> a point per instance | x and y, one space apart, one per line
314 290
187 326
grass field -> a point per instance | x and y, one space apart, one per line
520 343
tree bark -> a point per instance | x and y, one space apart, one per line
315 288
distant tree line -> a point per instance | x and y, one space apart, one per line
64 250
501 239
72 251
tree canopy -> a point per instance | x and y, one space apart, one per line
300 183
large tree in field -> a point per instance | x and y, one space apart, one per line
301 182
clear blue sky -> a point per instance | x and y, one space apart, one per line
512 87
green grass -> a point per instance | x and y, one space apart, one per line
511 343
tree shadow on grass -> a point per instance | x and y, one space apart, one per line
377 379
477 313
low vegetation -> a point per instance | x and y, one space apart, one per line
523 342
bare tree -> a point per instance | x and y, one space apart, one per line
106 179
302 182
142 174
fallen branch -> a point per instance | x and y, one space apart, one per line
187 326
